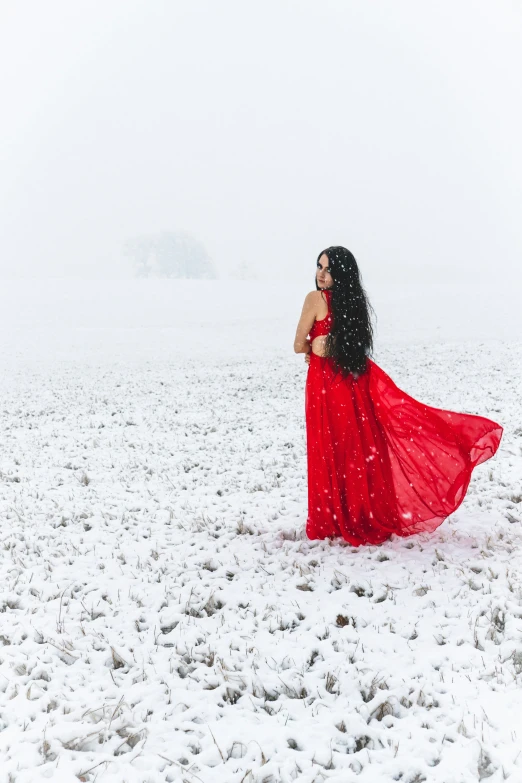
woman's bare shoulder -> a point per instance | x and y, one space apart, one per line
313 297
317 299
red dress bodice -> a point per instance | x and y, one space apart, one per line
323 326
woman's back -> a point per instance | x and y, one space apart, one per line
322 324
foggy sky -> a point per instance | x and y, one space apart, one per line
268 129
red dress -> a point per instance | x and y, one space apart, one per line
380 462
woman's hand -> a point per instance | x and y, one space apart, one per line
307 356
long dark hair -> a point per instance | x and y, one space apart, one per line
350 340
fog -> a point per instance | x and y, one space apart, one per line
268 130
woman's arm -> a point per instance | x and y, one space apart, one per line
307 349
306 321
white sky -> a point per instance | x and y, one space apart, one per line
268 129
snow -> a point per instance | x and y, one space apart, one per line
163 616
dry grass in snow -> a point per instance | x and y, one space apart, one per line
164 618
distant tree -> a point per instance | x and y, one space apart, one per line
172 254
243 271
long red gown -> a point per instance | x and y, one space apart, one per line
380 462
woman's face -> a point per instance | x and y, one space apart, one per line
323 276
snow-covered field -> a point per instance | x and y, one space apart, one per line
163 616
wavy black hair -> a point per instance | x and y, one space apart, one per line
350 340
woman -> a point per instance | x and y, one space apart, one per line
379 462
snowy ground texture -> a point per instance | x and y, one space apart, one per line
164 618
